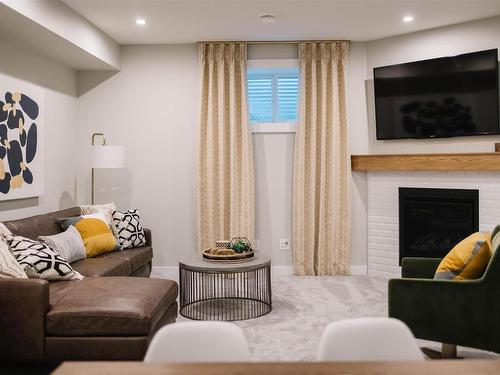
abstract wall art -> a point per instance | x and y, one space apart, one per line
21 146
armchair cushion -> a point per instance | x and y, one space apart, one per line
467 260
419 268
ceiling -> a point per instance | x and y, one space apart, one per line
187 21
19 30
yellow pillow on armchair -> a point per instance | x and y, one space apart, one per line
467 260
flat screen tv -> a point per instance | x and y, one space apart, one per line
444 97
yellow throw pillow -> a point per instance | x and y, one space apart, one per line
468 259
97 237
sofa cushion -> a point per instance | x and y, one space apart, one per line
98 348
111 306
94 267
40 225
137 257
58 290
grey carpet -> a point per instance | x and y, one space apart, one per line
303 306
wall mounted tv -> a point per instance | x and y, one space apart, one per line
444 97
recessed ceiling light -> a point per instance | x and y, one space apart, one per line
140 21
408 19
267 17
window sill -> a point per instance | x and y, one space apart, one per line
273 127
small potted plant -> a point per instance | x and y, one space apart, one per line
240 245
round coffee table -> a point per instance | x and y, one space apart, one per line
215 290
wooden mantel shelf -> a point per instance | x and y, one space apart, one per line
427 162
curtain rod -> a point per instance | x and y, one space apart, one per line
272 41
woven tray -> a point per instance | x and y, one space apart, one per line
248 254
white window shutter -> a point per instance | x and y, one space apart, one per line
288 92
273 95
260 98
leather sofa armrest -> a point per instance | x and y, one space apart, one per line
24 304
419 268
147 233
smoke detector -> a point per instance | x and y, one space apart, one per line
267 17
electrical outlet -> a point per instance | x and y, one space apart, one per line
285 244
256 244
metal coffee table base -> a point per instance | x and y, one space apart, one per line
225 292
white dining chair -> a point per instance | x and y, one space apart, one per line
199 342
368 339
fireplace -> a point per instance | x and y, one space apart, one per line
432 221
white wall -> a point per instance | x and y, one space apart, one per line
150 107
358 143
445 41
273 158
59 89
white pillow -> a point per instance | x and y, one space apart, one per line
8 263
68 244
128 228
107 209
96 215
39 261
4 231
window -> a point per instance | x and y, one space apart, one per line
273 91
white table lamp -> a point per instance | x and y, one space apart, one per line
105 156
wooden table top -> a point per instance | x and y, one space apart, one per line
432 367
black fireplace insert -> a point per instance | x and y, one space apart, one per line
432 221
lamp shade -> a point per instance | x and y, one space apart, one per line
108 156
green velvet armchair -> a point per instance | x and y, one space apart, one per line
463 313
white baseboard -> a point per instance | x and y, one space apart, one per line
165 272
173 272
282 270
288 270
358 270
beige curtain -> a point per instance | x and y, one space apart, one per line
225 182
321 198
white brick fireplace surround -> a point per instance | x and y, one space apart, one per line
383 210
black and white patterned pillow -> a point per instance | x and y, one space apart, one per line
39 261
128 228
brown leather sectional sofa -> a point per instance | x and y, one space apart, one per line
108 315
